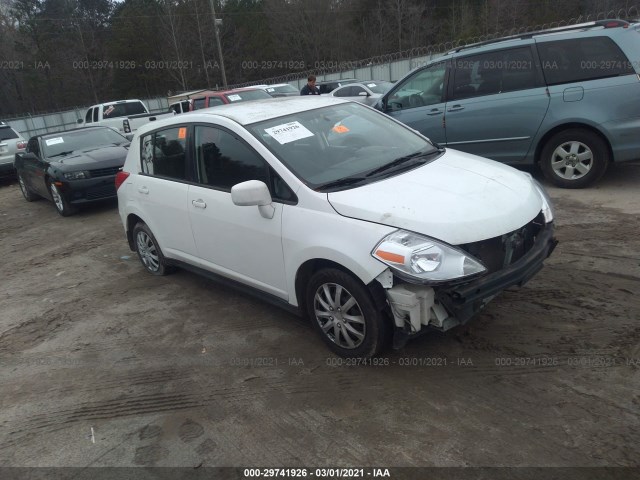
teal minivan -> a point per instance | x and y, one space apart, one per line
567 99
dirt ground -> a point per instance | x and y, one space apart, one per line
102 364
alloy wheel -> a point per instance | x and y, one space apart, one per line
339 315
148 251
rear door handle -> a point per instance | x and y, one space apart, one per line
434 111
144 190
455 108
199 203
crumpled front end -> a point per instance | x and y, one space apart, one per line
511 260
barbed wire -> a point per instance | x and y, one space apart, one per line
439 49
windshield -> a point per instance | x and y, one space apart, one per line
115 110
83 139
244 95
379 87
329 144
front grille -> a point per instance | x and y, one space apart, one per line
498 252
104 172
103 191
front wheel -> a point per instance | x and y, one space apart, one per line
148 250
345 315
63 207
28 195
574 158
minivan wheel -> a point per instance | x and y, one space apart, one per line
63 207
28 195
344 314
574 158
148 250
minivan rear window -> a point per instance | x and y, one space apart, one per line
580 59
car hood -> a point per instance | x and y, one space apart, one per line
458 198
89 159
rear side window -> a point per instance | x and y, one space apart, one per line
163 153
198 103
494 72
580 59
7 133
215 101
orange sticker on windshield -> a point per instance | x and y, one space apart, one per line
182 133
340 129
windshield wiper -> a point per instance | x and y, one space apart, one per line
61 154
401 160
343 182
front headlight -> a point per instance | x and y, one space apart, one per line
417 258
76 175
547 205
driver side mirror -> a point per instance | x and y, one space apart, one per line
253 192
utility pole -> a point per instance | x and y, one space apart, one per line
217 22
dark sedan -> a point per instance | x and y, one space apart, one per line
72 167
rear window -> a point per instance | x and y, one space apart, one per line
567 61
198 103
115 110
7 133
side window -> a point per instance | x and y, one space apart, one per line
567 61
198 103
224 161
95 114
343 92
493 72
89 116
33 147
355 91
214 101
423 88
163 153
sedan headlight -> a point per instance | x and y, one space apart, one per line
76 175
417 258
547 205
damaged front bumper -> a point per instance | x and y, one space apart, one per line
417 308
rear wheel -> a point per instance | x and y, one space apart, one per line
28 195
148 250
63 207
345 315
574 158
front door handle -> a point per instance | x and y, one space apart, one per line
434 111
455 108
199 203
144 190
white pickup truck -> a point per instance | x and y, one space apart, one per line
123 115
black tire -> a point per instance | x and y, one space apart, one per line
362 316
63 207
560 158
28 195
149 251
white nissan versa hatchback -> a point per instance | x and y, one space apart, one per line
334 210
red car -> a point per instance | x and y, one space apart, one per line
212 99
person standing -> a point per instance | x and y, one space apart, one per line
310 88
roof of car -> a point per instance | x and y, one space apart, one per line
246 113
219 93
